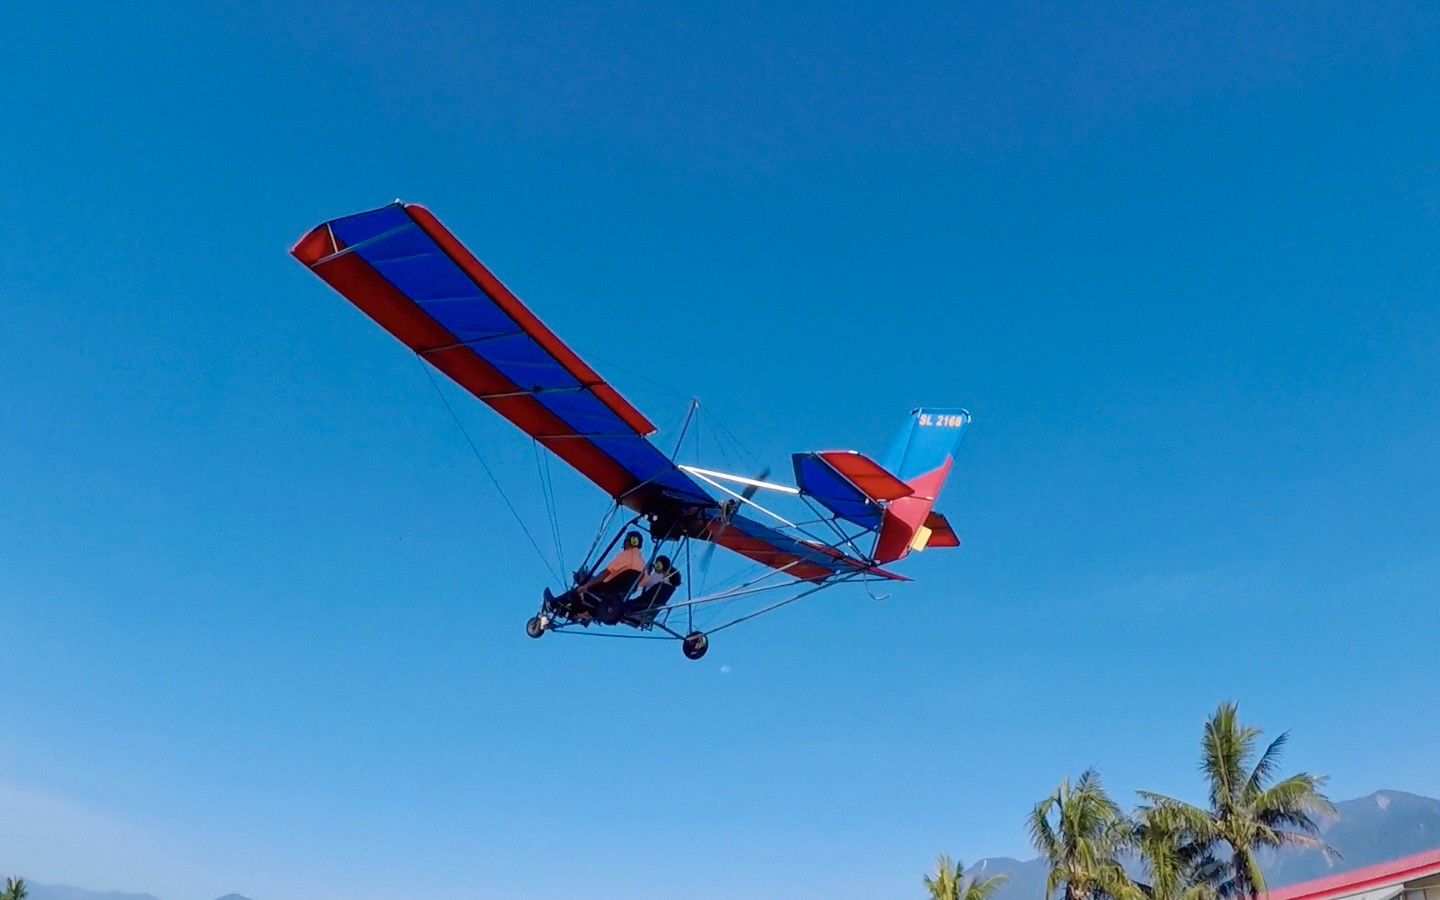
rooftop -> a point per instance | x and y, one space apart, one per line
1369 878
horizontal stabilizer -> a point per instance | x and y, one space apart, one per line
865 473
941 534
849 484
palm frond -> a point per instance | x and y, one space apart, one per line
983 888
1042 835
1080 830
1294 803
1226 750
945 883
1264 770
1177 815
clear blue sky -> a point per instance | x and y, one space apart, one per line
262 613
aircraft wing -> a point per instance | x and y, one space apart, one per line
406 271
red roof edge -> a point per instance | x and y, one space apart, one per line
1395 871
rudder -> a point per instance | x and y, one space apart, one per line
921 455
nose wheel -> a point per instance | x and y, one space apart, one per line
536 626
694 645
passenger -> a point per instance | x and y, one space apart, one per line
656 586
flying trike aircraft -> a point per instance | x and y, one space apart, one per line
406 271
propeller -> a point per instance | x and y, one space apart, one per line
734 506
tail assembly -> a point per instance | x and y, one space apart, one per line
920 455
894 497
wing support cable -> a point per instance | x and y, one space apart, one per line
740 590
684 427
600 533
749 482
705 475
486 466
547 490
786 602
743 499
844 538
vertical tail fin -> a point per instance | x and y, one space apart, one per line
920 455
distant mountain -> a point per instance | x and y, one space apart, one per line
61 892
1368 830
1027 877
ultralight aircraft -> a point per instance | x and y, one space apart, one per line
406 271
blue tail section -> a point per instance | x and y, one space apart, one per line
920 455
926 442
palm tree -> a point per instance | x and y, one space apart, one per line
15 889
1177 867
950 882
1081 832
1247 813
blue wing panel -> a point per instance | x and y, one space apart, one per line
650 465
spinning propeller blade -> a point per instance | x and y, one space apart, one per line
747 493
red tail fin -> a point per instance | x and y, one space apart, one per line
921 455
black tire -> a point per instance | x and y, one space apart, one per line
695 645
612 610
534 628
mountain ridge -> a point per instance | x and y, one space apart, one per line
67 892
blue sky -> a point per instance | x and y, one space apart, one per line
263 613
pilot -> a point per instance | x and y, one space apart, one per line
615 580
629 559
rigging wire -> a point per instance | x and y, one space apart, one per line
547 491
600 534
735 441
486 466
659 385
774 606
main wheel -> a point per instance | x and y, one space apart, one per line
695 645
534 627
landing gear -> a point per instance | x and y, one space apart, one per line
536 626
694 645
